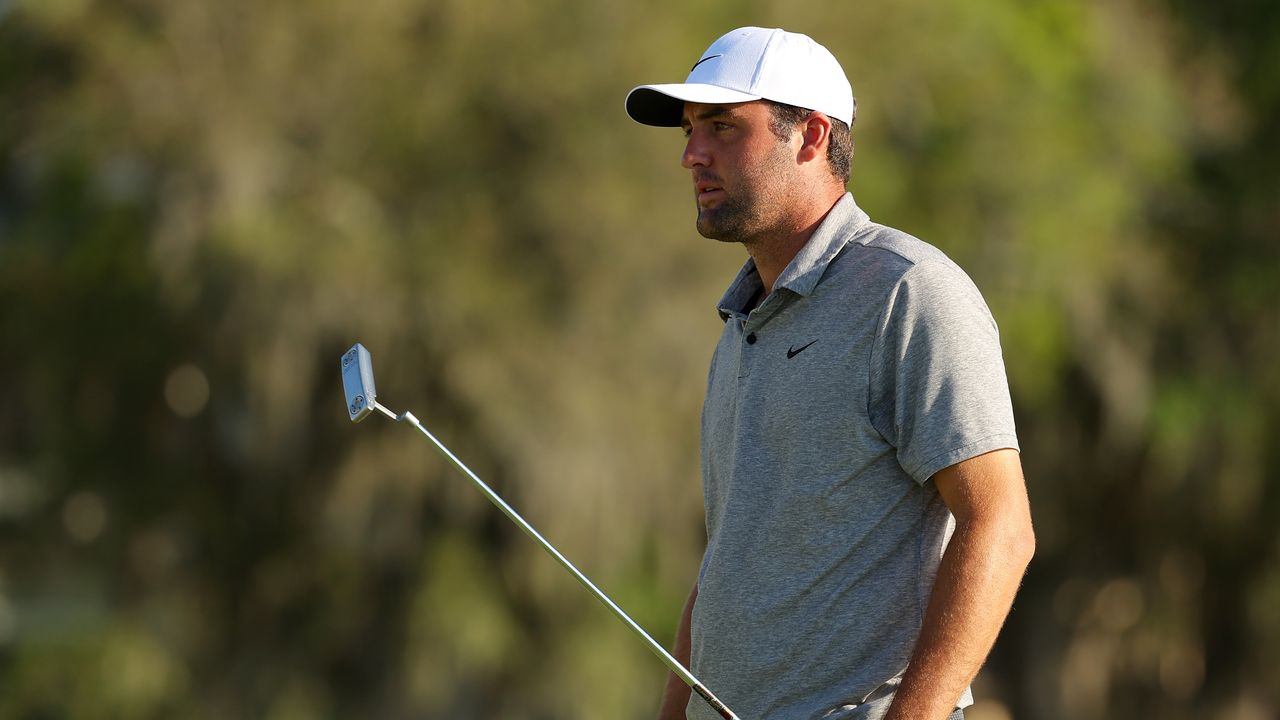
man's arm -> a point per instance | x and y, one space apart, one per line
676 695
977 579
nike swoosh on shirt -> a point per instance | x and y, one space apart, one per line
709 57
792 351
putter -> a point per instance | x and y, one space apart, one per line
357 382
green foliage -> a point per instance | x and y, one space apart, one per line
203 204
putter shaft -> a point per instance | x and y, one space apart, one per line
673 664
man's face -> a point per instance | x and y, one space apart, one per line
741 170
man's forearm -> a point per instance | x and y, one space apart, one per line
676 694
972 594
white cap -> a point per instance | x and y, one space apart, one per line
748 64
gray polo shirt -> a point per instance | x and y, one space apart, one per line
874 364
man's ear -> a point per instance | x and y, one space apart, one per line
815 135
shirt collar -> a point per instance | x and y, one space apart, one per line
802 274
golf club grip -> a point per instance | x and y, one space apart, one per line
714 702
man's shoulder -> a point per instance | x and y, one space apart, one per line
908 249
879 254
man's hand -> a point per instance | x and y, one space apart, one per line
977 579
676 695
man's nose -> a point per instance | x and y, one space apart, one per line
695 153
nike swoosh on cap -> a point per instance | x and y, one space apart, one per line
709 57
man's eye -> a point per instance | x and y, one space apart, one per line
722 126
686 131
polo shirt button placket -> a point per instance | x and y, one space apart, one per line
744 362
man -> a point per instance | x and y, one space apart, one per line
867 520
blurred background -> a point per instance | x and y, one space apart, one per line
202 204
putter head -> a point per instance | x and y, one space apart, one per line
357 382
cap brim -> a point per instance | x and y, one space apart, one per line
663 105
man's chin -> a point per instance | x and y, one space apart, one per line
712 227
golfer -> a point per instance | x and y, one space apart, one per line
867 520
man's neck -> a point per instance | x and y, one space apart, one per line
773 253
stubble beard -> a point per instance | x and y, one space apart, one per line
730 222
753 210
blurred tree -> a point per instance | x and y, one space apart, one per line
1222 392
202 205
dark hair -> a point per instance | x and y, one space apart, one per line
839 148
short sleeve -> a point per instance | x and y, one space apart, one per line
938 390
